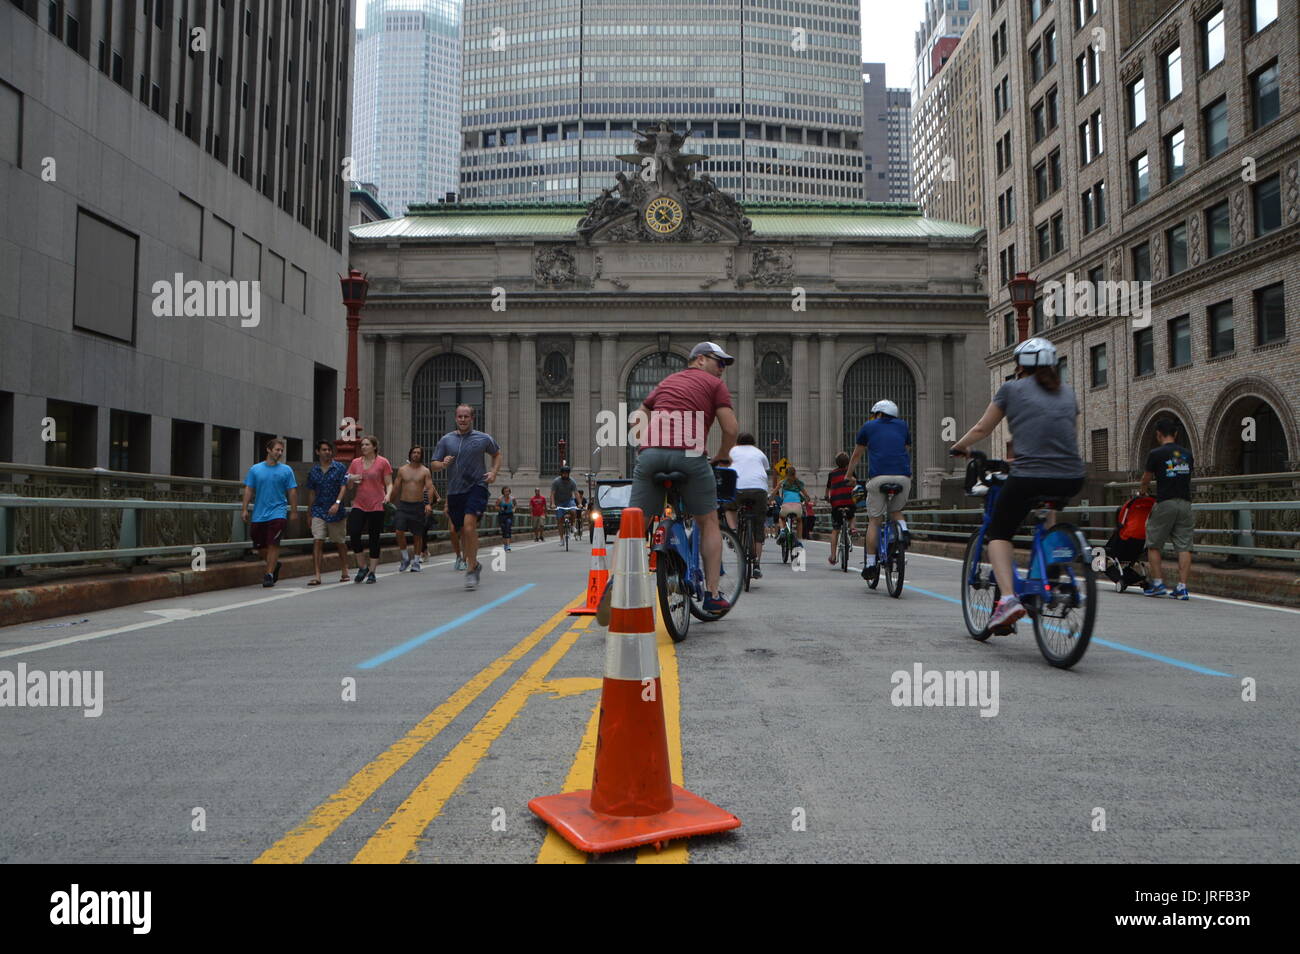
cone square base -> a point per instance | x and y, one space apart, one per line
571 816
583 611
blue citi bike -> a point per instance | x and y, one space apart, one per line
891 548
1059 592
675 554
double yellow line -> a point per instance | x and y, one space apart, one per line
396 840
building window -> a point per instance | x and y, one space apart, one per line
1058 233
1137 102
1220 328
1085 71
1054 171
554 428
1101 449
1036 65
1098 365
1262 13
1091 139
1140 172
1036 8
1212 41
1144 353
1268 205
1040 182
1216 127
1173 61
1177 243
1218 237
1008 329
1044 235
1180 341
1142 262
1270 314
128 443
1094 207
1174 166
1084 10
1264 97
1053 109
1039 114
1006 208
1049 46
104 278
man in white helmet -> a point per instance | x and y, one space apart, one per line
886 438
1041 413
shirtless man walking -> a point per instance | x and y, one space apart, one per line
413 493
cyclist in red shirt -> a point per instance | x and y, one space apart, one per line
839 491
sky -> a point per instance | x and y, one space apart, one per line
888 35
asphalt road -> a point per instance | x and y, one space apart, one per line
468 704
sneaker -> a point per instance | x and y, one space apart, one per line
471 577
361 574
268 580
871 573
416 564
758 572
907 538
461 564
1005 614
406 562
715 604
275 574
507 548
370 577
1180 592
1156 589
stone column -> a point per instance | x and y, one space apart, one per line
800 451
611 458
499 404
929 429
390 436
746 409
528 417
828 411
581 420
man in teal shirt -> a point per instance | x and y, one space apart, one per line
276 492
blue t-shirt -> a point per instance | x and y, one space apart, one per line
886 440
271 486
467 470
327 485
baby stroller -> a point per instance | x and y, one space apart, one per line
1126 549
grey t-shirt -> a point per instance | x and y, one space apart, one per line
564 488
468 468
1042 428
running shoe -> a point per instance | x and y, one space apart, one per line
758 572
715 604
871 573
1180 592
361 575
406 562
1156 589
268 580
416 564
370 577
1005 614
471 577
461 565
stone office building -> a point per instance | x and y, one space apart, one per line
543 316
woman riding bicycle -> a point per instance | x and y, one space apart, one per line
792 493
752 483
1041 413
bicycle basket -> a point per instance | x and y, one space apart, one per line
726 481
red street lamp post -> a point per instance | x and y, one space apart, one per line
354 297
1022 297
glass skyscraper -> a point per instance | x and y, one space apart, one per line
406 105
771 90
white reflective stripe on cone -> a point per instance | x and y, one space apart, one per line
633 656
633 590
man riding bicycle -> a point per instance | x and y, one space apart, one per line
886 438
564 497
753 481
1041 413
680 411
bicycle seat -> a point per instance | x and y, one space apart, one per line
669 478
1048 503
891 488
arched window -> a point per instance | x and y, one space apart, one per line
645 374
872 378
1253 440
442 383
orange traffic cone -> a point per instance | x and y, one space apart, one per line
598 573
632 800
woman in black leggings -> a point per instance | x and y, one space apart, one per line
370 478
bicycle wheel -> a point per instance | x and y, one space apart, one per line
978 597
747 554
674 599
896 564
564 535
844 548
730 580
1063 623
785 546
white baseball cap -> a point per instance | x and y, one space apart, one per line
708 347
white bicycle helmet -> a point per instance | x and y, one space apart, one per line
888 407
1036 353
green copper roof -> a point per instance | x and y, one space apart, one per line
776 219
